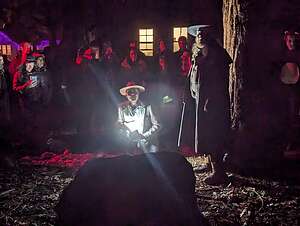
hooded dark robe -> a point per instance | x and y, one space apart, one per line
212 99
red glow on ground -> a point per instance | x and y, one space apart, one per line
68 159
65 159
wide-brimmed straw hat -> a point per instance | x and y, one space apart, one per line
131 85
193 30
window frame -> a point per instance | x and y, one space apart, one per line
7 49
146 41
182 32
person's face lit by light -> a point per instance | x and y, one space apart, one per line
132 55
162 46
290 42
182 43
200 38
40 62
132 45
29 66
133 95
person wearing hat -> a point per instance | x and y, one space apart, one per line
136 120
25 50
209 81
21 79
32 88
22 84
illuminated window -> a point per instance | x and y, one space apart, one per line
177 32
146 41
5 50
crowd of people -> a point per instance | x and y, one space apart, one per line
34 87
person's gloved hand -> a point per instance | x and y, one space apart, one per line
136 136
123 130
142 144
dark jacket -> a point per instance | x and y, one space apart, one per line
141 118
212 98
41 93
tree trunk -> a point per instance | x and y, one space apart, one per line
253 36
234 42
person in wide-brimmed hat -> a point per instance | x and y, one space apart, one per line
196 29
209 81
131 85
136 121
21 79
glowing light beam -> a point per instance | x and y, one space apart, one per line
4 39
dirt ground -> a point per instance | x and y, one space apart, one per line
28 194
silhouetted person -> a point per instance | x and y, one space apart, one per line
133 44
109 64
209 81
161 82
182 43
289 76
134 68
87 90
25 49
32 88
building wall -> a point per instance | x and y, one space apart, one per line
120 20
117 20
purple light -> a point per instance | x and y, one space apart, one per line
4 39
45 43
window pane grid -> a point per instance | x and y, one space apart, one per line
150 32
143 32
150 38
5 50
146 41
143 38
8 47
